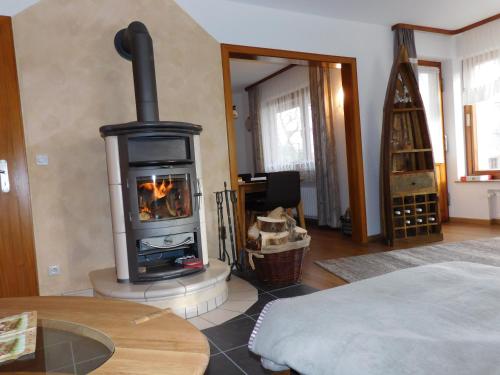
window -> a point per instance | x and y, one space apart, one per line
482 131
481 85
287 140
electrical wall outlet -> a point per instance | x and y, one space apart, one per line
42 159
54 270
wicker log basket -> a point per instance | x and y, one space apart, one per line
280 269
277 260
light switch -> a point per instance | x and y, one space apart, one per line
42 159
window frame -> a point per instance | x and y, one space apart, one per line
470 128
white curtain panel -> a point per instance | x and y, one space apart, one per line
286 130
478 40
481 77
430 90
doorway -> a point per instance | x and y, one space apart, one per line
353 148
18 271
431 89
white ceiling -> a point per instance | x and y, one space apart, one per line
12 7
246 72
448 14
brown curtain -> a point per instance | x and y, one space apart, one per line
325 155
254 116
406 37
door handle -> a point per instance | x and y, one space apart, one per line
4 176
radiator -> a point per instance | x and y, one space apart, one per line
494 203
308 195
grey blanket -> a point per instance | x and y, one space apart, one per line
435 319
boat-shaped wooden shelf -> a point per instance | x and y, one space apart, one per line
410 207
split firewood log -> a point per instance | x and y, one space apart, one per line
270 225
281 213
272 239
291 223
299 233
253 244
277 213
253 232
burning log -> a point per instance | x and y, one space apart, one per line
164 199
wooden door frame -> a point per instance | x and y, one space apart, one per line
10 102
352 121
438 65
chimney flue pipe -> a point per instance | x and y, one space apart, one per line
134 43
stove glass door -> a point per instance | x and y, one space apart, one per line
164 197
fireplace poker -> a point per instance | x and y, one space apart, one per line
222 229
230 224
234 201
219 225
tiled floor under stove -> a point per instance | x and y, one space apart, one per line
241 295
228 341
205 298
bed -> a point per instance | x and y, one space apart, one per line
434 319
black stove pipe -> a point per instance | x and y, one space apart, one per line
134 43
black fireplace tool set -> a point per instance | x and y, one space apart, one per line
230 198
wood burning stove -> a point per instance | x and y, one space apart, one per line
154 180
155 188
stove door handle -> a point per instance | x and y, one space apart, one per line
197 195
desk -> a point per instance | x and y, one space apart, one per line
163 345
245 188
255 187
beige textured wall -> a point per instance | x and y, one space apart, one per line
72 81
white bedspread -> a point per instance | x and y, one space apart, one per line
440 319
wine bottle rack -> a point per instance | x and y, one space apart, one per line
415 215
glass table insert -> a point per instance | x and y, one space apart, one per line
63 348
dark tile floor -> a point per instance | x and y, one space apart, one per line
228 342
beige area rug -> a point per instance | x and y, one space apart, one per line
486 251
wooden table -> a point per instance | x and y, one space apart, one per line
164 345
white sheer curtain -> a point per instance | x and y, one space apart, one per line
481 77
286 129
429 85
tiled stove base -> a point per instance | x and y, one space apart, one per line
206 293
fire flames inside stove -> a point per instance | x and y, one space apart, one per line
164 197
